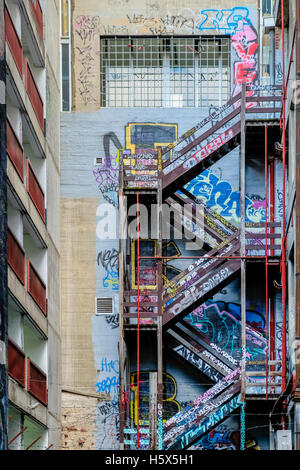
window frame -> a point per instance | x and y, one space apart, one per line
166 74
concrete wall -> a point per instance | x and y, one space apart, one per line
90 21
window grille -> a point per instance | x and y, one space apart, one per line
165 72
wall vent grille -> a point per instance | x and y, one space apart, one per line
104 306
99 161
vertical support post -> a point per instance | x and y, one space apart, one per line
122 215
152 410
138 324
243 262
3 241
159 307
266 259
297 223
283 253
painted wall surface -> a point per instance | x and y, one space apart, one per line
90 264
90 22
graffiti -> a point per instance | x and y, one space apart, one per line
164 25
223 199
107 179
87 29
279 72
108 419
108 407
208 149
149 135
216 114
170 405
195 293
229 21
209 422
124 398
206 397
226 21
160 426
220 323
280 202
197 362
112 320
222 438
191 419
245 44
109 366
108 385
109 260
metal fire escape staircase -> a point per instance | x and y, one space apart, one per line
207 275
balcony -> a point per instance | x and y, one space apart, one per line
36 288
35 191
16 256
36 382
38 15
16 363
34 95
14 42
14 150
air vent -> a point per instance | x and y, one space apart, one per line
104 306
99 161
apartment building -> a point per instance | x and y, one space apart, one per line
30 408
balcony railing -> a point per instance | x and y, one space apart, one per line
38 14
35 191
36 288
36 382
14 42
14 150
16 256
16 363
34 95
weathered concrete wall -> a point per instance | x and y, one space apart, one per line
91 20
78 284
78 422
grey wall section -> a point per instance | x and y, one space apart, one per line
3 243
86 136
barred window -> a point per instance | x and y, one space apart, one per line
165 72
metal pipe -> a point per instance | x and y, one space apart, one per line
17 435
33 442
272 198
283 253
138 321
205 257
266 261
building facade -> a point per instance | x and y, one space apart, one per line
30 396
137 77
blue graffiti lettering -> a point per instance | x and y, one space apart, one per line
228 20
108 384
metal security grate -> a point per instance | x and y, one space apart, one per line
165 72
104 306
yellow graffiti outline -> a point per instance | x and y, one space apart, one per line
133 403
131 146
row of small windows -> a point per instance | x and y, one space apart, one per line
164 72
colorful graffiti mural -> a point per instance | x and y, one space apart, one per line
224 199
220 323
108 259
245 44
170 404
223 438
